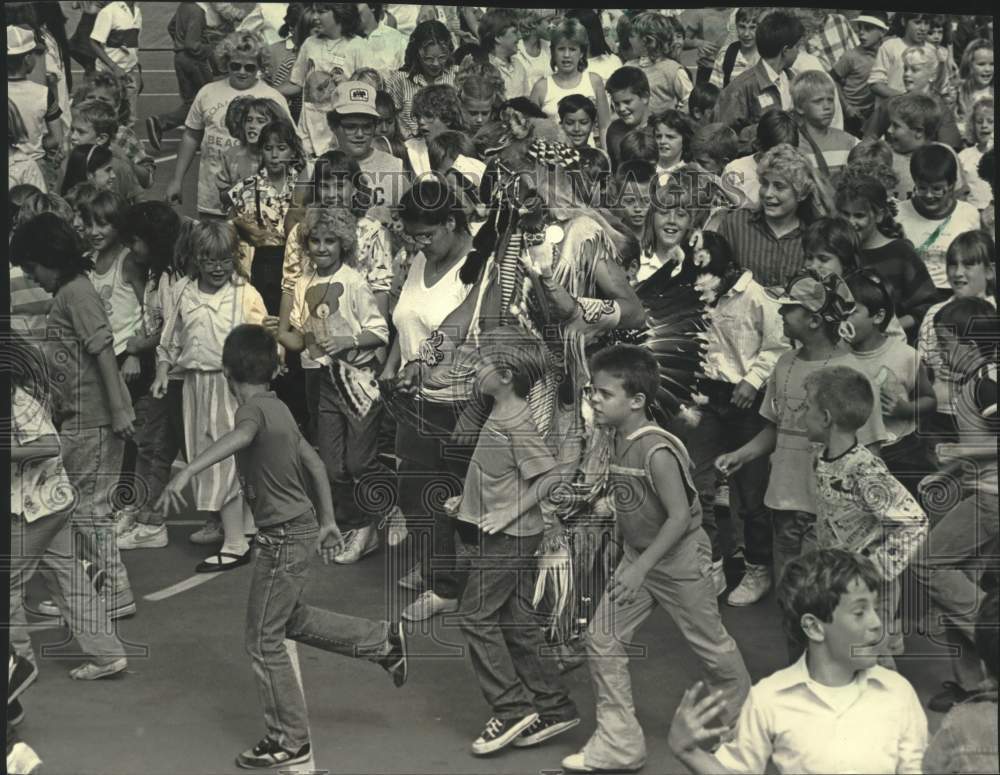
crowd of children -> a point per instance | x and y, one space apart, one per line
823 181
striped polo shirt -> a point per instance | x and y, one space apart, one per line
773 260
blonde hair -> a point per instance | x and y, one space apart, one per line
811 188
983 103
572 31
212 239
244 43
810 83
338 220
967 87
919 52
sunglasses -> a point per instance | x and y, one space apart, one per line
235 67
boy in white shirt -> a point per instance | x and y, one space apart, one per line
115 40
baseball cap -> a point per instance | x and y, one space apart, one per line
355 98
20 40
826 296
874 18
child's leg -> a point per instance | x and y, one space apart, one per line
374 483
892 639
332 438
131 82
618 742
794 534
234 526
522 632
92 458
157 451
490 591
681 583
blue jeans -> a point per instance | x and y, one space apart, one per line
159 437
504 632
275 611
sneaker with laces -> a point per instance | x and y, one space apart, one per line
358 544
756 583
210 533
501 732
396 530
125 520
394 663
414 579
144 537
427 605
718 577
267 755
97 576
543 729
91 671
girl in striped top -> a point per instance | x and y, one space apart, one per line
425 63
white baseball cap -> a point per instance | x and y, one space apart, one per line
21 40
355 98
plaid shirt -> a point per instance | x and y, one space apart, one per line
402 87
836 37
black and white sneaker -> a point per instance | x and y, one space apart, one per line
267 754
501 732
21 673
154 132
394 663
542 730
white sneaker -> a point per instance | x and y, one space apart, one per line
359 543
427 605
396 532
755 584
718 577
144 537
124 520
210 533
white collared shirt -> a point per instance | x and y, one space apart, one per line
780 80
788 718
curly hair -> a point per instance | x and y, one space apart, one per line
427 33
811 189
338 220
871 183
480 81
658 32
441 101
239 109
38 202
102 79
244 43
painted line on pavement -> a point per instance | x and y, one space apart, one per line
181 586
171 157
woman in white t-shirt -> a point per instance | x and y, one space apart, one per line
245 57
432 288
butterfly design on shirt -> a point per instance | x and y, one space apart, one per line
105 293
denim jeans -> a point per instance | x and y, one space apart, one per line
93 458
681 583
504 632
275 611
159 437
962 543
192 74
46 544
794 535
724 427
363 487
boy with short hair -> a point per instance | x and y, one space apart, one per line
499 34
628 89
577 117
274 462
914 121
851 70
713 146
631 187
814 94
740 55
115 41
767 83
861 507
95 122
37 105
835 709
702 101
667 561
812 308
905 390
934 216
502 518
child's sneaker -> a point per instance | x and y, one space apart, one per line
359 543
542 730
21 758
21 673
210 533
394 663
91 671
427 605
144 537
500 732
756 583
267 754
396 531
414 579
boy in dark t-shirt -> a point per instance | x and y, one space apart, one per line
273 461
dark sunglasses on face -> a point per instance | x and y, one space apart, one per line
235 67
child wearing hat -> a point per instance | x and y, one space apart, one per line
851 71
813 310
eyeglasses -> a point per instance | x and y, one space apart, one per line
226 263
439 61
421 239
937 189
249 67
